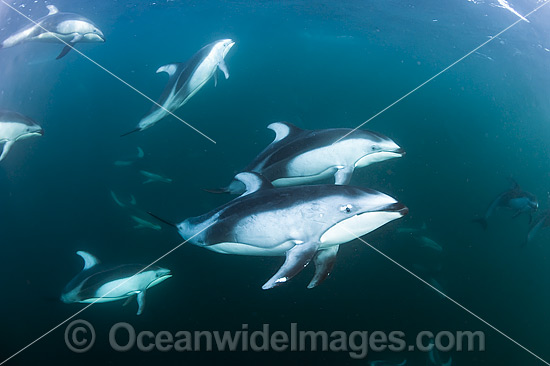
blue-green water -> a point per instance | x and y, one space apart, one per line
317 64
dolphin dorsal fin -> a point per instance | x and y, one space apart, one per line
253 182
89 260
170 69
283 130
52 9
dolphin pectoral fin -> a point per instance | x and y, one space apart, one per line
128 300
69 46
141 302
297 259
343 175
6 149
215 78
223 66
324 263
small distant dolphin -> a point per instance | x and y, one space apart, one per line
139 155
515 199
298 156
57 27
152 177
186 79
429 243
15 127
541 222
101 283
303 223
412 230
144 224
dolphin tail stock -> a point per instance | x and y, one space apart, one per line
137 129
482 221
162 220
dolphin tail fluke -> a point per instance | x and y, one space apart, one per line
297 259
128 133
162 220
482 222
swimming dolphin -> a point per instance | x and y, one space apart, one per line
57 27
298 156
186 79
303 223
541 222
152 177
100 283
15 127
426 242
515 199
144 224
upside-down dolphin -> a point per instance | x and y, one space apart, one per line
303 223
57 27
298 156
186 79
100 283
516 199
15 127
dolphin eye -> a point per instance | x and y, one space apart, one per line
375 147
346 208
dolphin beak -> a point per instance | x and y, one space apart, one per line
397 207
400 151
40 132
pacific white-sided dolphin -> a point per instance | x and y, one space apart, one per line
100 283
57 27
144 224
303 223
186 79
152 177
516 199
15 127
297 156
426 242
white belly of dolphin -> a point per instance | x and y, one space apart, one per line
247 249
121 288
356 226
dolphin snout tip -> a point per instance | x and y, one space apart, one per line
398 207
401 151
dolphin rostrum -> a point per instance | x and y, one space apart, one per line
100 283
15 127
185 79
298 156
57 27
303 223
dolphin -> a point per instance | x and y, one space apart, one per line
426 242
303 223
186 79
140 155
15 127
297 156
144 224
514 198
152 177
100 283
57 27
541 222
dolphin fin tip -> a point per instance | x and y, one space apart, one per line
216 190
128 133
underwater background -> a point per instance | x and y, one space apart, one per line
316 64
